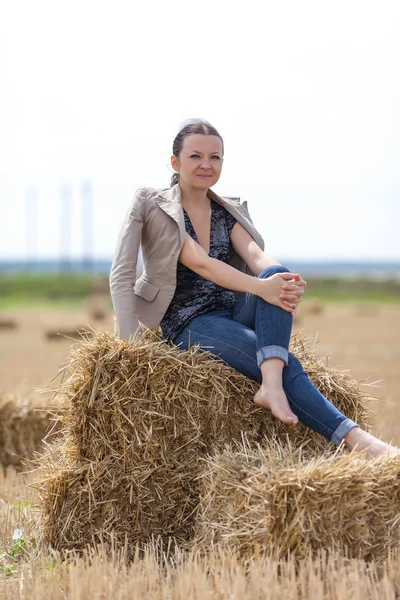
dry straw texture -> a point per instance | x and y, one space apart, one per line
199 576
22 429
138 418
286 502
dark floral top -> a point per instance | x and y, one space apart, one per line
195 295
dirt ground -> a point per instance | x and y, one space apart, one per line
362 338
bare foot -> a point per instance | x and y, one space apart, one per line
277 402
359 439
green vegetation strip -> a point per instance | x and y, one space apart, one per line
47 286
70 289
349 290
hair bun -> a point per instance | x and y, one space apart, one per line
174 178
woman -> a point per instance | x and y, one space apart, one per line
208 281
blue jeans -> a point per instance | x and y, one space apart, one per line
254 330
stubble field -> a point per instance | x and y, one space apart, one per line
363 338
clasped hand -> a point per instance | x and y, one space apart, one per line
284 290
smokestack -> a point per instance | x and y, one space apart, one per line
31 229
87 226
65 227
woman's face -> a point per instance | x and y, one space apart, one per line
200 161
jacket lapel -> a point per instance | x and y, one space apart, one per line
170 201
240 212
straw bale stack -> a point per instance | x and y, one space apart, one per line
22 429
138 418
313 306
274 502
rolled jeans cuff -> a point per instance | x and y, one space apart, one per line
343 429
272 352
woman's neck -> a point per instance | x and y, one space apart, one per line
194 198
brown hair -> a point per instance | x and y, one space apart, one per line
191 127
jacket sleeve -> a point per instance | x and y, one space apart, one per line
123 269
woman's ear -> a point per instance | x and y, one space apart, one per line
174 163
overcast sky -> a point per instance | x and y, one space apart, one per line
305 94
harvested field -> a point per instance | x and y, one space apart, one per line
28 360
195 576
366 344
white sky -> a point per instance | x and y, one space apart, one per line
306 95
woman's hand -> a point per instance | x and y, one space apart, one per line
293 291
283 289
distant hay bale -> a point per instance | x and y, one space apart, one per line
312 307
22 429
285 502
97 305
98 313
60 333
101 287
138 418
8 323
297 319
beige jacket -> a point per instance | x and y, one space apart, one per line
155 221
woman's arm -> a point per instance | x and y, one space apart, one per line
257 261
196 258
123 269
251 253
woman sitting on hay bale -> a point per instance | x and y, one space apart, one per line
207 281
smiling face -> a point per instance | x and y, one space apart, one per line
200 161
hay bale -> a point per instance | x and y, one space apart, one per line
312 307
164 397
101 286
8 323
22 429
98 313
93 503
138 418
60 333
297 319
97 305
282 501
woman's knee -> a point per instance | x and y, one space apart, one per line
272 270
